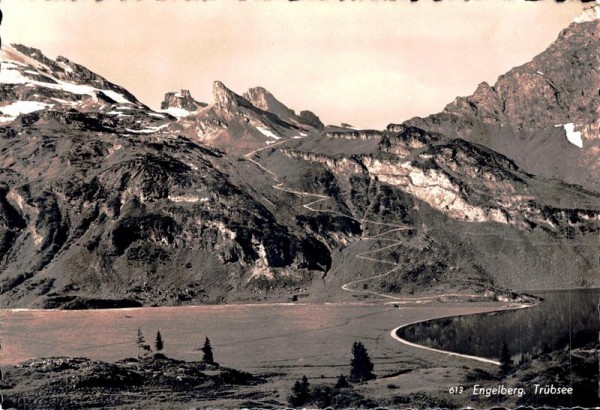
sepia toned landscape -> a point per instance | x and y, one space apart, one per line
233 252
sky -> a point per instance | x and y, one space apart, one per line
367 63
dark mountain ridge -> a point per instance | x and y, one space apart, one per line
543 114
104 202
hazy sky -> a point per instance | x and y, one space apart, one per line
366 63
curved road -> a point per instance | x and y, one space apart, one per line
279 185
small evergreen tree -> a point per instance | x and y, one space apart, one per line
140 341
321 397
342 382
505 360
207 356
300 392
159 344
361 367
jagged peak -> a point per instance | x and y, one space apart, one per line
25 66
257 99
182 99
259 96
483 86
23 55
259 90
262 98
223 97
591 13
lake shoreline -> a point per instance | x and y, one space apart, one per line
278 342
395 336
108 321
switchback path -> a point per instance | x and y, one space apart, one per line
349 287
279 185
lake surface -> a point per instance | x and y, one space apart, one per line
295 339
563 318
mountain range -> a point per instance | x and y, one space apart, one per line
105 202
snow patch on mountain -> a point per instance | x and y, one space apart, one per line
10 74
268 133
573 136
150 130
12 111
177 112
65 67
187 198
61 101
113 95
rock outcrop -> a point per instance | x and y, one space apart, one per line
182 100
543 114
263 99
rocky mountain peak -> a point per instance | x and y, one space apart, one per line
224 98
591 13
310 118
260 97
263 99
182 100
548 108
35 82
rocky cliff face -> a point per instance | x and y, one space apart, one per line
543 114
263 99
234 124
356 135
461 199
105 202
179 103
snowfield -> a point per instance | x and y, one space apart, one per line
177 112
268 133
12 111
150 130
10 74
573 136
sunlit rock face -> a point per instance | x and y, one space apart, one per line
543 114
263 99
182 100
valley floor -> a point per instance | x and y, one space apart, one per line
276 342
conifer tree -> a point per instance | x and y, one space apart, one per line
140 341
208 353
342 382
300 392
361 367
506 362
159 344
